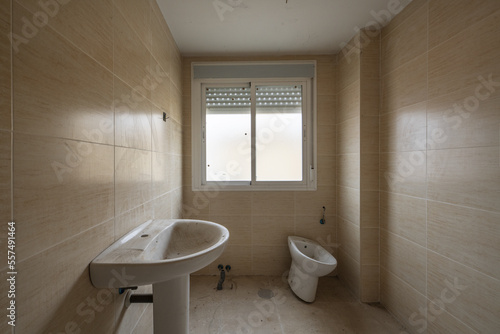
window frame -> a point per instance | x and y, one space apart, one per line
309 140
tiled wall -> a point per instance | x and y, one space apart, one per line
369 166
348 166
92 157
260 222
440 166
357 166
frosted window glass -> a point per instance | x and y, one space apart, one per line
228 134
279 133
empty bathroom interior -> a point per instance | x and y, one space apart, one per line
407 149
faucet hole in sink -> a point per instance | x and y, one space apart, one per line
144 235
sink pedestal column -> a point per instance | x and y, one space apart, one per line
171 306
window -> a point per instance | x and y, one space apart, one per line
253 133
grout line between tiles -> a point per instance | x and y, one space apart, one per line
65 240
464 265
471 330
462 31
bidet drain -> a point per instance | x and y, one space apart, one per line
265 293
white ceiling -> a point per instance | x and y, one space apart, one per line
268 27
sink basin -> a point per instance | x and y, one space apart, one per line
157 251
161 252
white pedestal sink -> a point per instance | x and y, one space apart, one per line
161 252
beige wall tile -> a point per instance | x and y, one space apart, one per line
458 62
451 230
138 15
132 178
271 260
160 87
239 257
175 65
5 11
370 283
349 104
132 117
186 171
175 102
326 170
131 59
326 139
161 182
348 136
466 294
369 246
176 141
404 215
129 220
402 16
229 203
451 125
404 129
196 203
239 226
444 107
161 132
5 195
468 176
370 86
348 69
369 212
58 280
64 191
58 194
404 173
160 49
309 227
441 322
175 170
405 85
326 109
348 170
325 76
176 204
5 66
369 172
5 174
348 201
272 230
405 42
403 301
404 259
162 207
349 272
369 134
349 239
446 22
60 91
88 25
272 203
308 203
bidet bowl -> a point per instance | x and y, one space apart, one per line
157 251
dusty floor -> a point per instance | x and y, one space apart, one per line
247 305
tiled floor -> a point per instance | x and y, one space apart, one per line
244 307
